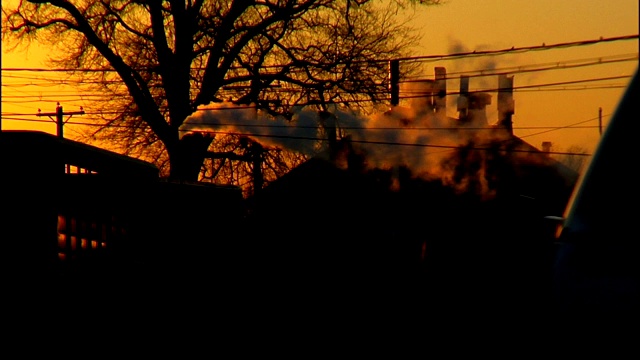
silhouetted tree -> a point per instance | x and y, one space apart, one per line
159 60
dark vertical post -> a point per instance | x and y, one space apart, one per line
463 99
394 81
600 120
328 121
506 106
257 154
441 89
59 120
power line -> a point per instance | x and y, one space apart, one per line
11 118
61 95
514 49
572 126
474 53
516 88
419 95
595 87
469 73
388 143
549 66
53 98
569 64
481 72
372 128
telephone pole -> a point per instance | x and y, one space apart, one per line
394 81
59 117
600 120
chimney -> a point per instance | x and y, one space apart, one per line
328 121
546 146
477 113
506 105
463 99
441 89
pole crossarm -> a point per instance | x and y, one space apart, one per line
59 116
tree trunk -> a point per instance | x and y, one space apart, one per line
187 157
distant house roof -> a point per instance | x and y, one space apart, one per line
327 223
319 191
40 148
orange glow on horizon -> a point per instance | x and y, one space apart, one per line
564 116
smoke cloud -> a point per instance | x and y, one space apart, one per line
412 136
228 118
417 135
403 136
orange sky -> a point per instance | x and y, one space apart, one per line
467 25
542 113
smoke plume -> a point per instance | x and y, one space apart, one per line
419 136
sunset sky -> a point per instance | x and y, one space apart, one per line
566 114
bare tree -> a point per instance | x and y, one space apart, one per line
160 60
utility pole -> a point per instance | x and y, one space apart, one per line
394 81
600 120
59 114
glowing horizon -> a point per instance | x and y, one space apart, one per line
567 116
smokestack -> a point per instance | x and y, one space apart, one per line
441 89
328 121
478 102
506 105
463 99
472 106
